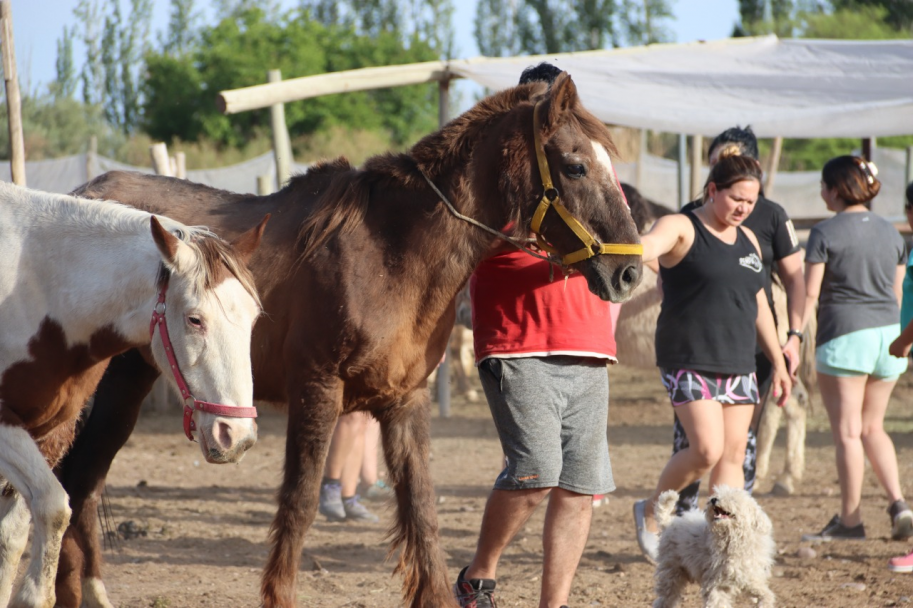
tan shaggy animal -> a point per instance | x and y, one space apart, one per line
728 549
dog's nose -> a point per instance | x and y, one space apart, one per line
713 501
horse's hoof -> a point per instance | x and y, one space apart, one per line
472 395
782 488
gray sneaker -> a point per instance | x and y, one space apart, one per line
378 491
648 541
901 520
331 502
355 511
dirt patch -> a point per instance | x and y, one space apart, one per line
206 526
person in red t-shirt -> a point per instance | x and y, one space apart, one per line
542 342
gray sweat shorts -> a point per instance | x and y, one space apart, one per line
551 414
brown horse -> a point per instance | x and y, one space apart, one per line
358 273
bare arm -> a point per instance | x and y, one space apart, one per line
789 269
900 347
669 240
767 338
814 274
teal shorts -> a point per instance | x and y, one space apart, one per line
863 352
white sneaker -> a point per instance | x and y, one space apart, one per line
648 541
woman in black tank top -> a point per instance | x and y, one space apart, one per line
713 314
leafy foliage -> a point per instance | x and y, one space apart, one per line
510 27
239 50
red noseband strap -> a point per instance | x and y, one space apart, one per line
190 403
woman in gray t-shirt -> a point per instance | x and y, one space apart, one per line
854 270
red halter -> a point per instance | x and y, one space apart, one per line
190 403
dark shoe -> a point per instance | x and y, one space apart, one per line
834 530
331 505
355 511
901 520
475 592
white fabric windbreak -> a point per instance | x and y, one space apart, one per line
790 88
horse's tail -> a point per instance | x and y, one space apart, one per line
665 508
337 210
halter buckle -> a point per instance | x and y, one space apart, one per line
551 194
160 308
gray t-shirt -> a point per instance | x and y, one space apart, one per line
860 253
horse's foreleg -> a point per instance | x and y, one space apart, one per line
14 534
796 412
406 429
767 433
24 467
82 472
313 411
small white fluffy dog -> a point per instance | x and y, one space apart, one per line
727 549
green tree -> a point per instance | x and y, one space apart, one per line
495 28
65 84
643 21
898 13
123 45
92 75
182 28
238 51
859 23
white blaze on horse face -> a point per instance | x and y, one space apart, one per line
603 158
211 340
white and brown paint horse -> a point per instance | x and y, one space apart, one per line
79 284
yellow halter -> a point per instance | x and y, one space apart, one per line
550 198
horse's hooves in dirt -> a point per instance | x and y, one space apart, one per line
782 488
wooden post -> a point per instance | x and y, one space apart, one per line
775 152
443 103
13 100
264 184
282 147
868 148
442 384
682 163
641 160
92 159
160 163
697 151
908 172
180 163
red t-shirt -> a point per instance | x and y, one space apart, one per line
516 311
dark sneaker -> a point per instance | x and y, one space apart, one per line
475 592
355 511
331 502
901 520
834 530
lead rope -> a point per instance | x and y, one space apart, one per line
497 233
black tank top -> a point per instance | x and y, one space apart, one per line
709 310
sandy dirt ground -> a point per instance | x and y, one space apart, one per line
206 525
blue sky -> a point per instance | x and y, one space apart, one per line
39 23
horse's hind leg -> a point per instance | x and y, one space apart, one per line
313 411
14 534
82 472
23 465
796 412
406 428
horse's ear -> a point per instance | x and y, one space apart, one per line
175 253
246 244
563 98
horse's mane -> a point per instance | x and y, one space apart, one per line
345 193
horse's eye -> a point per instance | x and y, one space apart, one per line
575 171
195 322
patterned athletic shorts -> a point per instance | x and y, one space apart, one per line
687 385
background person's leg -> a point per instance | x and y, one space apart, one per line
505 513
567 526
876 442
728 470
843 397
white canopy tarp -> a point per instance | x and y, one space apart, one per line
791 88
